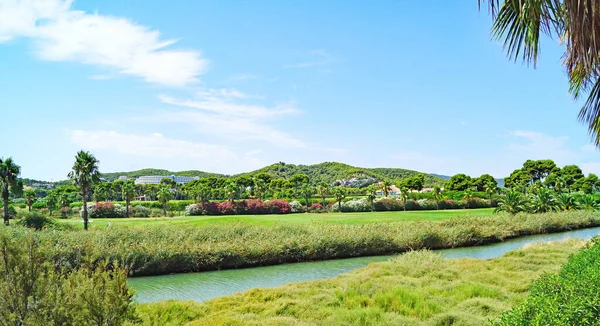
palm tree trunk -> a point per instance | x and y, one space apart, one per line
165 209
85 212
404 202
437 204
5 198
127 207
340 205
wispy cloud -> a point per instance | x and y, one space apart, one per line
225 102
537 145
318 58
60 33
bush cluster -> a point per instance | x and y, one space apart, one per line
570 298
104 210
238 208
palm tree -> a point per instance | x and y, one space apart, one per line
51 200
9 182
307 192
128 193
437 196
560 184
589 202
519 25
385 187
404 195
164 195
512 202
231 190
371 195
544 201
339 193
468 195
84 175
491 189
260 187
567 202
322 191
30 197
63 201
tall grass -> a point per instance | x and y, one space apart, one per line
418 288
155 250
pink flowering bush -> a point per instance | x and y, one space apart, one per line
277 207
255 206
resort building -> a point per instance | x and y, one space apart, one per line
155 179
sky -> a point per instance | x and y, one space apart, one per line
231 86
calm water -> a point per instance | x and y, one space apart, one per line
208 285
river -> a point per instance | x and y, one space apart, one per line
208 285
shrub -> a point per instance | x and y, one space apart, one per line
227 208
255 206
193 210
211 208
21 206
356 205
570 298
64 212
387 204
42 294
35 220
141 211
39 204
104 210
296 207
277 207
316 208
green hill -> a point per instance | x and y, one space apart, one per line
328 172
145 172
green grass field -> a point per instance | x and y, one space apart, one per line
334 218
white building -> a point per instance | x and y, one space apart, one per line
155 179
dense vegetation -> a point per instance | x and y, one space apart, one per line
418 288
36 290
112 176
571 297
164 249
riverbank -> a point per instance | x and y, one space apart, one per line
418 288
159 250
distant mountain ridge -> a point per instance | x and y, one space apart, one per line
327 172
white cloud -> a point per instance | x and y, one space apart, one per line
589 148
223 102
537 145
150 145
60 33
319 58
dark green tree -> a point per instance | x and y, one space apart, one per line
458 182
30 198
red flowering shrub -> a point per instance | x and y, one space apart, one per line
388 204
211 208
226 208
255 206
277 207
316 207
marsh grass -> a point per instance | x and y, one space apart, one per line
417 288
174 249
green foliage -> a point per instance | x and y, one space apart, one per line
158 172
29 196
512 202
458 182
571 297
9 183
85 175
36 292
35 220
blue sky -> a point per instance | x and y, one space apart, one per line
233 86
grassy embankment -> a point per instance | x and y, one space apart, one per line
164 249
418 288
335 218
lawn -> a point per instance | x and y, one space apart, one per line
333 218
